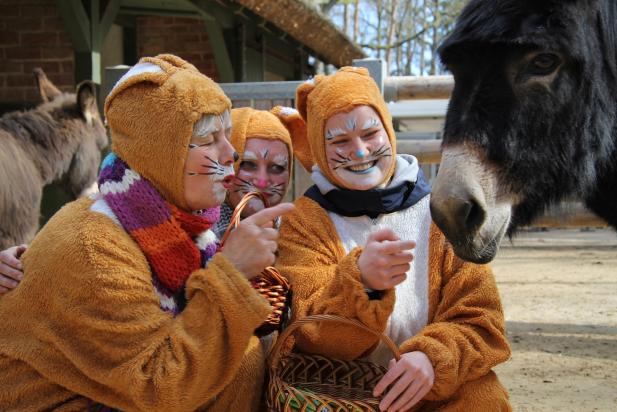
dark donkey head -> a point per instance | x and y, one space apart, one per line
69 129
531 119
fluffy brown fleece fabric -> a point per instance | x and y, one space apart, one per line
86 323
464 338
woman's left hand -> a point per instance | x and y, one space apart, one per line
410 379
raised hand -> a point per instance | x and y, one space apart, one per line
385 260
252 245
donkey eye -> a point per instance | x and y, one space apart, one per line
543 64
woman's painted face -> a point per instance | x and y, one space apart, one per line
358 150
208 170
264 167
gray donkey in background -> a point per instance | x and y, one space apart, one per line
58 141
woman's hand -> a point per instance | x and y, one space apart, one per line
409 379
385 260
252 245
10 268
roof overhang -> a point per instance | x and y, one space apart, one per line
297 19
309 27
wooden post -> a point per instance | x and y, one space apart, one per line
569 215
426 151
87 29
418 87
216 19
221 55
377 69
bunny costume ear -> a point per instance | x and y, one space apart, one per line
302 94
296 126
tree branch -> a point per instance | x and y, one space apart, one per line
394 45
326 7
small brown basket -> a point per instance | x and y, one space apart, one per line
314 383
270 284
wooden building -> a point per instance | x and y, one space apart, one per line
229 40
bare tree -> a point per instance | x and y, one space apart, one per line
356 16
378 27
405 33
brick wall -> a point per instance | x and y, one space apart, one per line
32 35
184 37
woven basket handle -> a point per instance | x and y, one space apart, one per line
235 217
275 276
275 353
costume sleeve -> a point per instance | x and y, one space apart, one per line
107 334
466 337
326 281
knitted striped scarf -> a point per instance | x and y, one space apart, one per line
175 242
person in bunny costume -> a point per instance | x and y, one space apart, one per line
361 244
127 303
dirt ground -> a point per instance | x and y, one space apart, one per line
559 290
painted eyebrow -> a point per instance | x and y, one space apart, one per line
281 160
337 131
332 133
249 155
370 123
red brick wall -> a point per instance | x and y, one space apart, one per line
32 35
184 37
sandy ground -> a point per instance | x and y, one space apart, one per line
559 290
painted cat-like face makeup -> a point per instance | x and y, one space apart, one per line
208 170
358 150
264 167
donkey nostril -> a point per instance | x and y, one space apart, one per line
471 214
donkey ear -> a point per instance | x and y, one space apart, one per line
86 100
47 89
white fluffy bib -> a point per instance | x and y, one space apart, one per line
410 313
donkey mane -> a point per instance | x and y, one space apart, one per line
502 21
540 23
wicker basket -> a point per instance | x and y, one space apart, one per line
314 383
270 284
